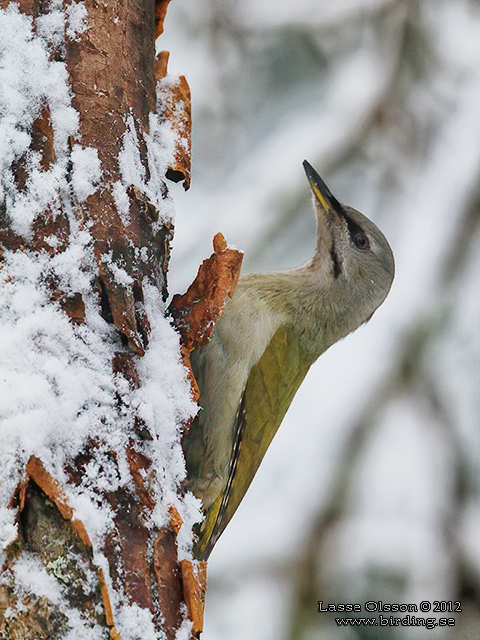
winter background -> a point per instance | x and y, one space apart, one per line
370 490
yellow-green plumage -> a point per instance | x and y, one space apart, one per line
271 386
272 331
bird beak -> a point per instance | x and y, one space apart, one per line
321 192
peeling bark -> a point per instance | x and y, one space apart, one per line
197 310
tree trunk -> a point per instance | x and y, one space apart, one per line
96 530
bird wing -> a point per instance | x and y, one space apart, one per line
269 391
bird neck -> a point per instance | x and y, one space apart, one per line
316 307
324 312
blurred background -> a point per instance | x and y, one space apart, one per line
370 490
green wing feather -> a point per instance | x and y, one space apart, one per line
269 391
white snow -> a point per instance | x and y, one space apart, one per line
160 142
30 81
86 172
76 16
31 577
185 629
136 623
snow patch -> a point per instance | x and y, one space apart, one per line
136 623
76 14
30 577
86 171
31 83
160 144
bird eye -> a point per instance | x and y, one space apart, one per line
361 241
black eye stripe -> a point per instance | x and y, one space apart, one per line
353 228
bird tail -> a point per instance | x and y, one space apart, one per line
207 534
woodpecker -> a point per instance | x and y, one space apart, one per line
272 331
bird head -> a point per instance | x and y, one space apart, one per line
352 252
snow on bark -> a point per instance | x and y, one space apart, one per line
60 394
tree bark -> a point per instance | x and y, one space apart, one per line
134 569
